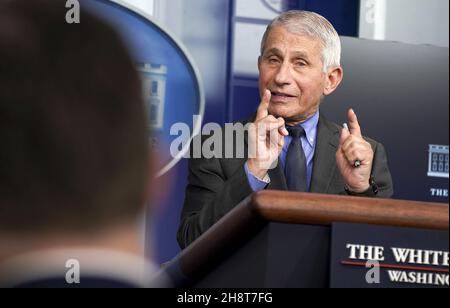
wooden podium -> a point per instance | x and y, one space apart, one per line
282 239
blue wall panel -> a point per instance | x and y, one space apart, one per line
343 14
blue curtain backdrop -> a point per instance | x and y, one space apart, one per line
343 14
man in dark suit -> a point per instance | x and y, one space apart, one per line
291 145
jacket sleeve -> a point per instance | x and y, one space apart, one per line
381 173
210 194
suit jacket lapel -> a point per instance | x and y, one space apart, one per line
325 156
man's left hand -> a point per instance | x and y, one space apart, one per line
354 150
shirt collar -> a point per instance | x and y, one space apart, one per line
310 127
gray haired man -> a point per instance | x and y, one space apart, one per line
296 148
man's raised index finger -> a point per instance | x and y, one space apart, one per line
353 123
263 109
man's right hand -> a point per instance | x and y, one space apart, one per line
266 139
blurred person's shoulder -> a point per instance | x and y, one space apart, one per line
81 268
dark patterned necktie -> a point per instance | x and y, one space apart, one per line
295 168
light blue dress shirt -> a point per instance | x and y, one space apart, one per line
309 141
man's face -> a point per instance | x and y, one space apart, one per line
291 68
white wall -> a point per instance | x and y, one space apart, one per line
248 34
147 6
407 21
202 26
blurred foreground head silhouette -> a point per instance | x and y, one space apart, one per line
74 147
74 154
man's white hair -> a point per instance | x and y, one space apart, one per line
314 26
